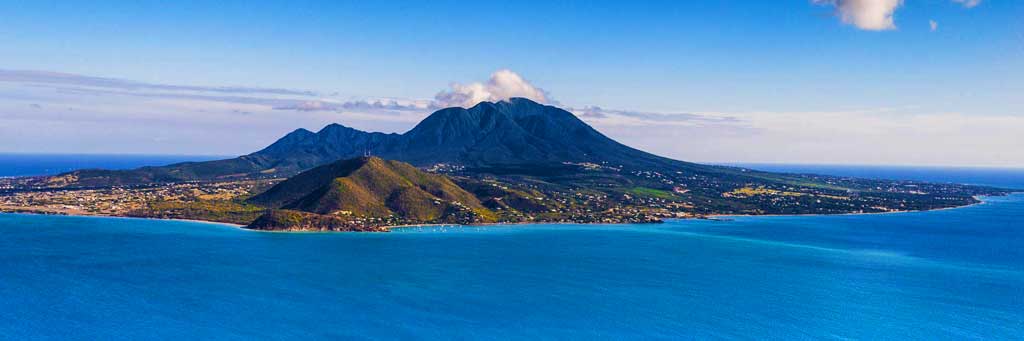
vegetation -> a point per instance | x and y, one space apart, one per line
652 193
290 220
373 192
228 211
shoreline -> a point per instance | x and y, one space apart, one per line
980 199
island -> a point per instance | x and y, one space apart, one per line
513 161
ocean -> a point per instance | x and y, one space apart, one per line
50 164
946 274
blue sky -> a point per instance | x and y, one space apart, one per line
751 81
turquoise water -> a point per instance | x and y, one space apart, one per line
950 274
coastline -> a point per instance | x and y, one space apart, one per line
981 200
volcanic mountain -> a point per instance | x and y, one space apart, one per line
516 133
528 161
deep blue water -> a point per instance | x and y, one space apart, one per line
948 274
49 164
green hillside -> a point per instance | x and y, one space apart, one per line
371 191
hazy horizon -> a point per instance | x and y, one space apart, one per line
805 82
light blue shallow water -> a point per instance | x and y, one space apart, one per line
949 274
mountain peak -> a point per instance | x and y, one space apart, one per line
298 134
519 101
516 131
334 126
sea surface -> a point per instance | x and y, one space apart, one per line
946 274
50 164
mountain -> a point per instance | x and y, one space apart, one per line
517 133
526 162
365 190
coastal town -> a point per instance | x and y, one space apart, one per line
511 200
117 201
224 202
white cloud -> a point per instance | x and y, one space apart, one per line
873 15
503 84
388 105
876 15
313 105
968 3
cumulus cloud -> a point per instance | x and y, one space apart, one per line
503 84
968 3
307 106
389 104
872 15
876 15
361 105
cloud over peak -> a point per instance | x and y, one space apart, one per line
503 84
